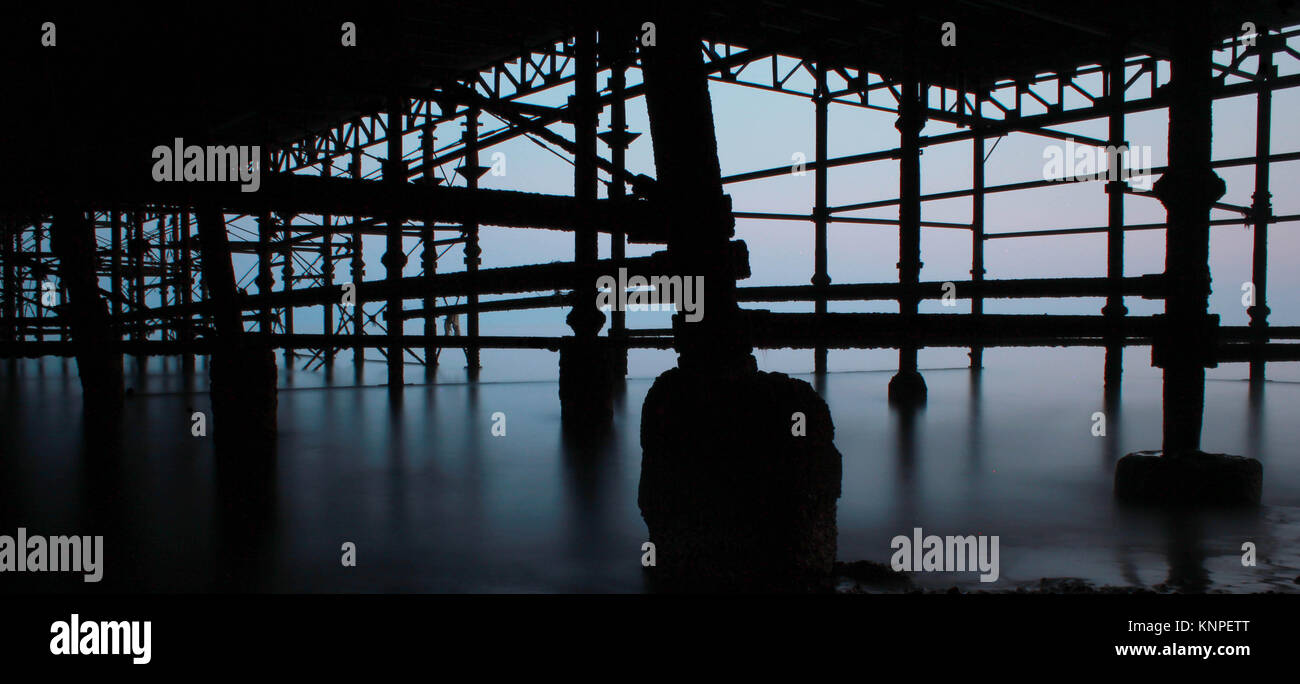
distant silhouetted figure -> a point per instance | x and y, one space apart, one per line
451 325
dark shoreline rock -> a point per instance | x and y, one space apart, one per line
1192 478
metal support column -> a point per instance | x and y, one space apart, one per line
327 276
1261 210
908 387
394 258
358 272
618 138
977 227
471 172
429 255
821 279
286 282
1116 185
1188 190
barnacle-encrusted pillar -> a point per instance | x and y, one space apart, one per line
586 378
243 372
739 474
1182 474
99 359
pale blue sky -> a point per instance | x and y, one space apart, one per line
759 129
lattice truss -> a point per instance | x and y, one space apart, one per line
150 264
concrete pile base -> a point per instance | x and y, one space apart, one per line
734 501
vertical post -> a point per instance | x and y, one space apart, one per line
585 318
63 318
146 247
1261 210
99 362
1188 190
908 387
977 228
720 515
264 279
20 282
327 273
202 285
174 275
1114 310
38 235
164 287
821 278
358 271
617 138
219 273
142 289
700 221
7 232
394 256
137 286
471 171
115 266
186 292
243 374
585 388
1185 340
429 255
286 280
98 359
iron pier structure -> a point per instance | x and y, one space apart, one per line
390 137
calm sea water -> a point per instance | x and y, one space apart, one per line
435 503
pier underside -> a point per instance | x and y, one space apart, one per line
182 185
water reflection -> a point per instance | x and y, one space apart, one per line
245 512
974 425
436 503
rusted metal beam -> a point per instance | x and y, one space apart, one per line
322 195
1147 286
